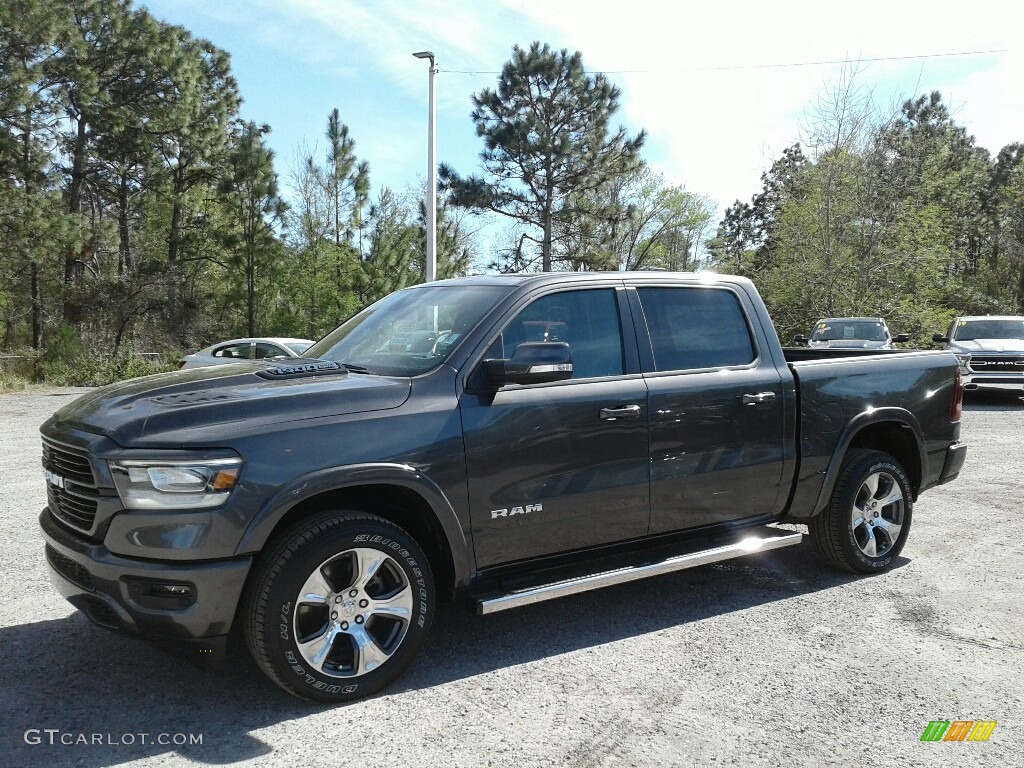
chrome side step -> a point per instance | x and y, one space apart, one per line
747 546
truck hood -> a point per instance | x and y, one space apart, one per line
988 346
204 406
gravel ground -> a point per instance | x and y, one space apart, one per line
765 661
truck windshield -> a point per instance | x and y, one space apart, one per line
969 330
835 330
409 332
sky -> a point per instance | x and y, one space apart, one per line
721 88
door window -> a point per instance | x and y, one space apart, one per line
693 328
264 349
587 320
240 351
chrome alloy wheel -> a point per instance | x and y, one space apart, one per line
352 613
877 514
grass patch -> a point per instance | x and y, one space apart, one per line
89 371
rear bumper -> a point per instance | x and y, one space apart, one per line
955 457
117 592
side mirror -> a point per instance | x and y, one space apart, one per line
533 362
938 337
901 338
801 340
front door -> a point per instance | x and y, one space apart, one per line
561 466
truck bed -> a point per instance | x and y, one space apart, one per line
840 392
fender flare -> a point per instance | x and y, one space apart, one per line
893 415
337 478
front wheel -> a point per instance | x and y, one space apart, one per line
339 606
868 519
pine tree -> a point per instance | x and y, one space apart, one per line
547 137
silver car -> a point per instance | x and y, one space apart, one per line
234 350
990 349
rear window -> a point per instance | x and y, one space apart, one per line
694 328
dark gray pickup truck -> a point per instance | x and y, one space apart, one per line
495 440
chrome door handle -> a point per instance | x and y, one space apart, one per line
622 412
759 398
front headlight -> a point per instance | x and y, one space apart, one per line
965 362
177 484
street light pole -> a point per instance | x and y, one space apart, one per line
430 269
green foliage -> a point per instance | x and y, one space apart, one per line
547 136
111 124
94 371
137 213
900 218
18 369
455 246
12 382
636 221
68 362
249 193
392 261
346 182
328 228
64 345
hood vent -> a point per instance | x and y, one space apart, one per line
303 370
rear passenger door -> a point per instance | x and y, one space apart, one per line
716 407
560 466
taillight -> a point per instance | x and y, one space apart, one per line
956 411
181 364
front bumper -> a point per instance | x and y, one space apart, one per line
1010 382
112 590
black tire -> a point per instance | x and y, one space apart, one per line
865 526
359 636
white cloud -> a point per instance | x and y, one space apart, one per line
698 77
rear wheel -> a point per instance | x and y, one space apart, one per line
339 607
868 519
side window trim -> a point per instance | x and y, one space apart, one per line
643 333
629 323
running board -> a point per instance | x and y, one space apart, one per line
776 539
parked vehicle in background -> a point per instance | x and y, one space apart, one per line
851 333
233 350
496 440
990 349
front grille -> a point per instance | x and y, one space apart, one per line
72 509
998 364
73 501
69 569
69 465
